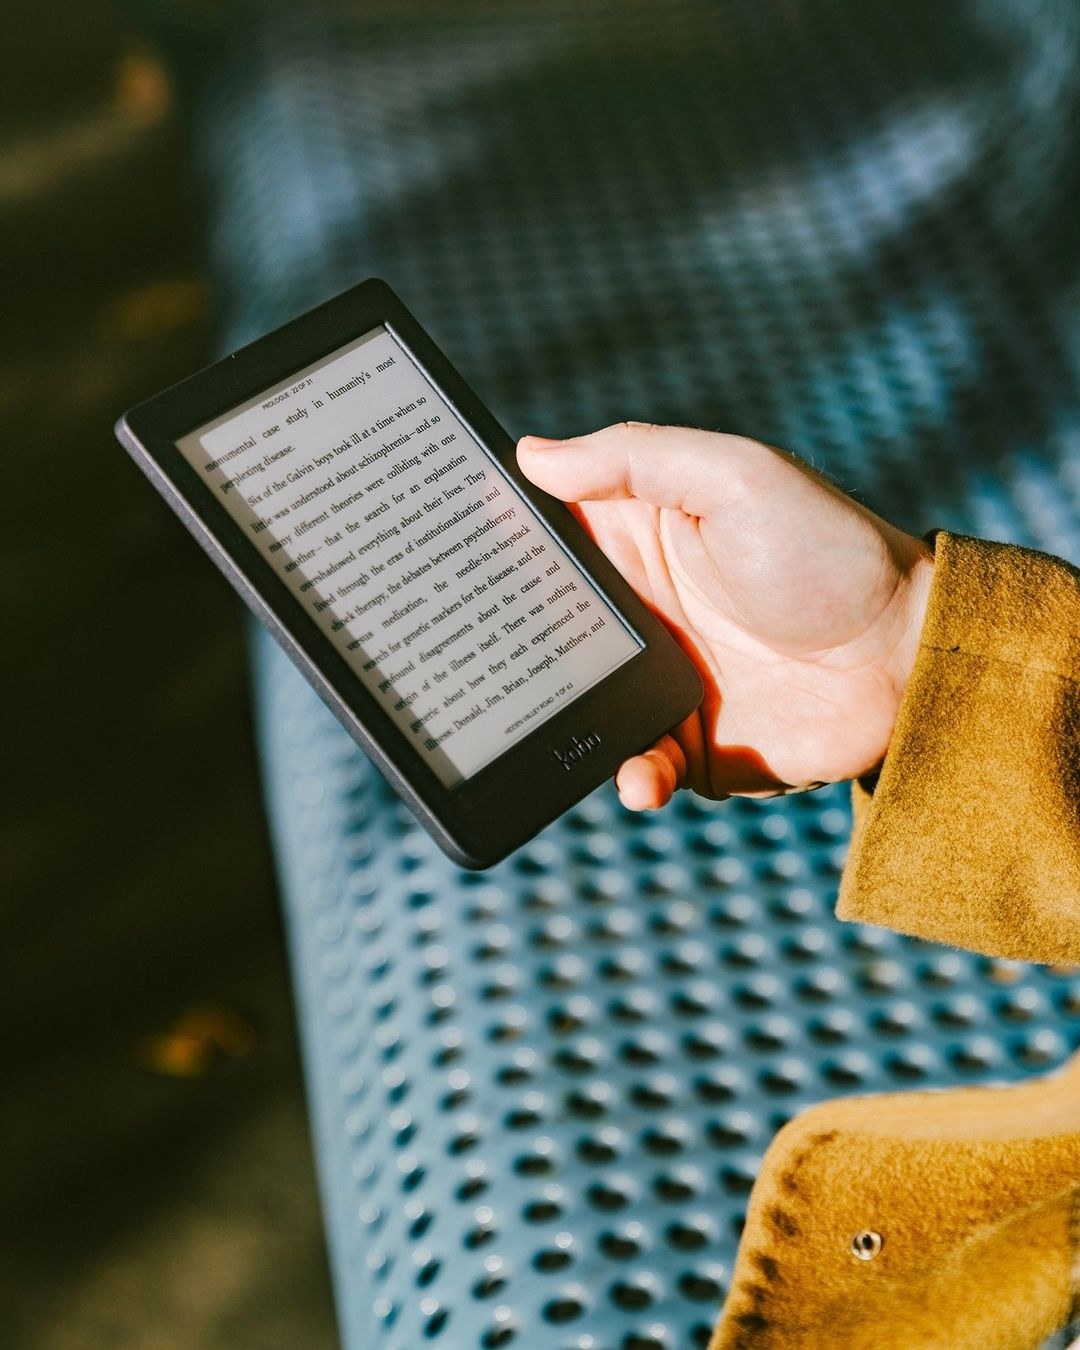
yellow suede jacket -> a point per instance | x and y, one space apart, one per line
971 835
947 1220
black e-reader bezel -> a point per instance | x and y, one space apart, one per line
482 818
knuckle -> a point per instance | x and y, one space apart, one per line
617 428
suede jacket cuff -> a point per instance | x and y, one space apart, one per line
971 833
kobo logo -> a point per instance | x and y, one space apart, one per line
578 748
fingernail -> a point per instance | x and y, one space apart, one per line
542 442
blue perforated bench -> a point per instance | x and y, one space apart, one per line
541 1095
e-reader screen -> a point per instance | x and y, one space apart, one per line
413 552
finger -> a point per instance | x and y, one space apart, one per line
650 780
677 467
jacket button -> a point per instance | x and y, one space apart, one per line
866 1245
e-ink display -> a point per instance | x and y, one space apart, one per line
412 551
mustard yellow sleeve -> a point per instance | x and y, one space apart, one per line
971 833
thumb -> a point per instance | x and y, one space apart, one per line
677 467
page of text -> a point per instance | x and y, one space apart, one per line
415 555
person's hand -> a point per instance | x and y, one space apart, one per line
801 609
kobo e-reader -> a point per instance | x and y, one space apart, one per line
460 623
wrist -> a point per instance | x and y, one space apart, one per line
912 600
917 584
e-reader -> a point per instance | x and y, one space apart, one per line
460 623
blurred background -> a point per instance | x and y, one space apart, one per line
156 1180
